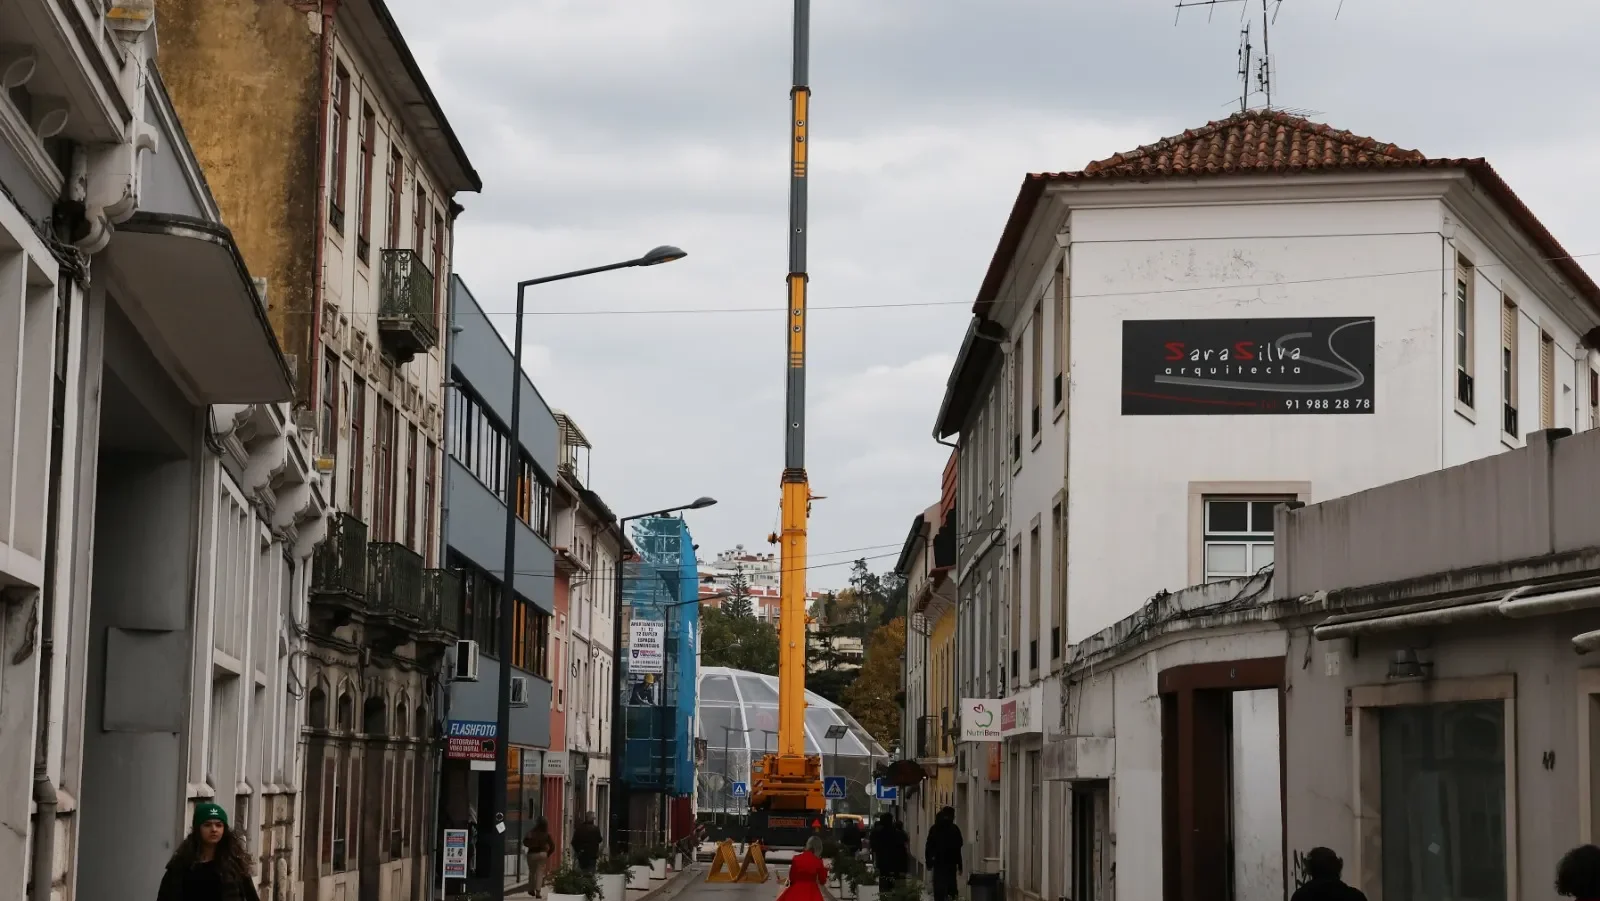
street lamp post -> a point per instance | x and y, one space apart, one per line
619 732
497 803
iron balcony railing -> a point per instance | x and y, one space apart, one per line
395 582
406 301
927 736
339 566
442 590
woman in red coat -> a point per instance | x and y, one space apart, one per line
807 873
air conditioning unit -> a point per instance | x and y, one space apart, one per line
519 691
466 669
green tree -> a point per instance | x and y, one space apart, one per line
736 597
740 642
872 698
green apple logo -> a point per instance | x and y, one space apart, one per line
987 716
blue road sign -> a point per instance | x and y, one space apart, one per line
833 788
885 792
740 790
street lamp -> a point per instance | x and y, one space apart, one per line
619 800
497 803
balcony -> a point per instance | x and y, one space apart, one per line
442 593
394 576
408 319
339 567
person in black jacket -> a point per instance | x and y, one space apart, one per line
212 864
943 854
1324 867
586 841
888 849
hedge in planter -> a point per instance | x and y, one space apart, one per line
573 882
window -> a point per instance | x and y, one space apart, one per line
979 491
339 138
1060 333
1547 381
397 174
368 137
428 498
1508 369
1015 601
1058 581
330 409
358 447
1442 776
340 853
1035 593
419 221
1594 399
332 816
411 487
438 262
1037 365
1464 316
1238 536
383 465
1016 401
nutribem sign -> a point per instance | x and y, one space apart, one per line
1231 367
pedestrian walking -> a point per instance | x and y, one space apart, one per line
1578 874
943 854
586 841
1324 869
889 844
539 846
850 837
807 873
211 864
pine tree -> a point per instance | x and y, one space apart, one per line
736 599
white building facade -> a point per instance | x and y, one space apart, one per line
586 549
159 498
1180 353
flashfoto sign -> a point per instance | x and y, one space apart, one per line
1231 367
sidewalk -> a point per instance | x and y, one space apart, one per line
650 890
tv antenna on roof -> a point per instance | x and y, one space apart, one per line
1261 70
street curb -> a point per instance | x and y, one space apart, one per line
677 880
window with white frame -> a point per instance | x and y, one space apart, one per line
1238 535
1463 331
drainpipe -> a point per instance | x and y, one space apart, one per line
1514 604
314 339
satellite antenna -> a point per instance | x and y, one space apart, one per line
1261 70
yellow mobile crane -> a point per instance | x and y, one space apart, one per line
786 786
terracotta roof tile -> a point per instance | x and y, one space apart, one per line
1269 142
1257 141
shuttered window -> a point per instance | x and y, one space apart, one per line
1594 399
1547 380
1508 368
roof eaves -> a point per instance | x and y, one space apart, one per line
469 179
913 538
977 351
1028 195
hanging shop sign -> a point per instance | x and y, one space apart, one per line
1230 367
647 646
470 740
980 719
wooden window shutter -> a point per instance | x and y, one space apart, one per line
1508 328
1547 379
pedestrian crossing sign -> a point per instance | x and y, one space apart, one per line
833 788
741 790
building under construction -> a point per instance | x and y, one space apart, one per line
661 618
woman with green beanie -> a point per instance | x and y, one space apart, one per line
211 864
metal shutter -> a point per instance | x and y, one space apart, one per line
1547 379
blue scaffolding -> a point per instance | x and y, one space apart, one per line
661 588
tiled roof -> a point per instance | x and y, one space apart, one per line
1257 141
1270 142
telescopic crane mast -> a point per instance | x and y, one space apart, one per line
786 788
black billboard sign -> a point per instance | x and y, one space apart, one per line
1232 367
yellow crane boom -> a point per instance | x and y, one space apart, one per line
786 786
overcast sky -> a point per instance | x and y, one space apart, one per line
603 127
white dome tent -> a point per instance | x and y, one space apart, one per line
737 716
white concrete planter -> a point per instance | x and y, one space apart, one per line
658 868
557 896
677 862
641 875
613 886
